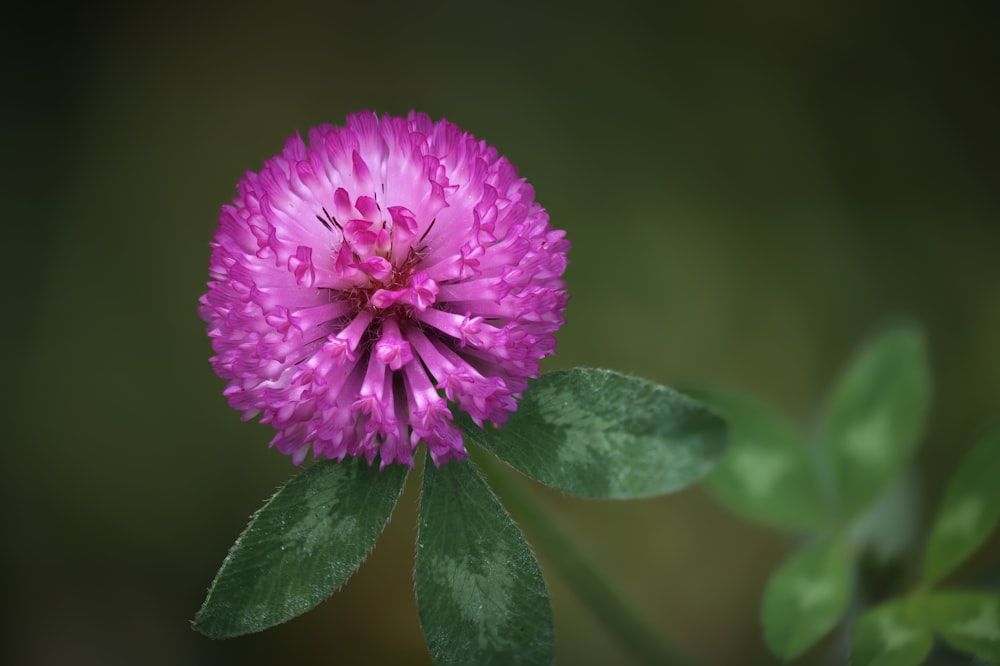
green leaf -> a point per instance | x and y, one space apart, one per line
765 475
969 510
806 597
876 415
894 634
888 528
301 546
600 434
480 592
968 621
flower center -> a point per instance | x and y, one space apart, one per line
385 284
387 297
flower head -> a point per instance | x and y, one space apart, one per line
361 283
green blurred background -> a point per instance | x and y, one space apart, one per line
750 189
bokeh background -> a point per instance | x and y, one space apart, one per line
750 188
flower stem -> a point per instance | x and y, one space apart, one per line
586 578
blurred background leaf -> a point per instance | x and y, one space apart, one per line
749 189
968 511
968 621
876 415
806 597
766 474
893 634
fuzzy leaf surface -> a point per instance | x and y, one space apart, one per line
600 434
480 592
301 546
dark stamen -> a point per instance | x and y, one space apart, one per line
429 227
331 220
